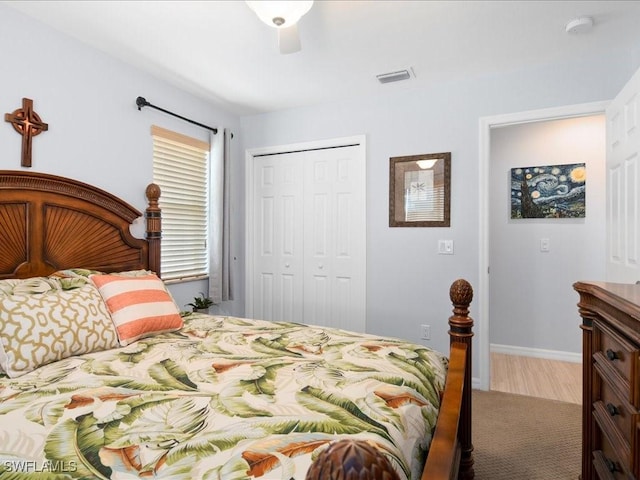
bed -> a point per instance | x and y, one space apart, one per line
94 384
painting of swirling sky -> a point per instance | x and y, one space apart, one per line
554 191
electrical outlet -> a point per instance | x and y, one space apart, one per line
425 331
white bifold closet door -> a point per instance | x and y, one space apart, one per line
623 184
309 237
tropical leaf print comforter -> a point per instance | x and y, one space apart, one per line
224 398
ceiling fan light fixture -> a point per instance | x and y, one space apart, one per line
280 14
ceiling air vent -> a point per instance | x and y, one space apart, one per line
394 76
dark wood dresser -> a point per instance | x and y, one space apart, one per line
611 380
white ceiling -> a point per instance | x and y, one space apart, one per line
221 51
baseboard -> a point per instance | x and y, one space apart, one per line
536 352
475 383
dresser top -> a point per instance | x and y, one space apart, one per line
621 296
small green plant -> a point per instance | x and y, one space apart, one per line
200 302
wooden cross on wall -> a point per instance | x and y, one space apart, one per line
28 124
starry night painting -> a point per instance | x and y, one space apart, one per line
554 191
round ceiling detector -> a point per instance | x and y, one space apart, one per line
579 25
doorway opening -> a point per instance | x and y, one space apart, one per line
487 124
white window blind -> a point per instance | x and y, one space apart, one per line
181 169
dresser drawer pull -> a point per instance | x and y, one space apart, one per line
613 411
611 355
611 465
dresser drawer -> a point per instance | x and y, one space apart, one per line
607 469
615 445
608 463
617 359
611 405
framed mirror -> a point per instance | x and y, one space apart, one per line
420 190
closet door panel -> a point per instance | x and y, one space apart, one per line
334 199
278 252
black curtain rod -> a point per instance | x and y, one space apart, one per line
142 102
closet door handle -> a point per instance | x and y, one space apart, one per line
320 266
287 265
613 411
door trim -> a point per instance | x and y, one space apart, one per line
485 126
250 154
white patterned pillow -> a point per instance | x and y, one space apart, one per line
50 324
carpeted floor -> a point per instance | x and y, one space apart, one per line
525 438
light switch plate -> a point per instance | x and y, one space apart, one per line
445 247
544 245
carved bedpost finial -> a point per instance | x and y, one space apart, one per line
153 215
461 294
351 459
153 194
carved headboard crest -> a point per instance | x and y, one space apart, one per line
50 223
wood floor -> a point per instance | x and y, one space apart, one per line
537 377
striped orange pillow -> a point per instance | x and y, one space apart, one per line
140 306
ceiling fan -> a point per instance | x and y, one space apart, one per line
283 16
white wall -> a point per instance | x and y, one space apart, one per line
407 281
532 304
96 134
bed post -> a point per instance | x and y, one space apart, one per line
460 331
153 234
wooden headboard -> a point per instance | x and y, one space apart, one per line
50 223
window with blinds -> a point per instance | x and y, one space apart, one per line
181 169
